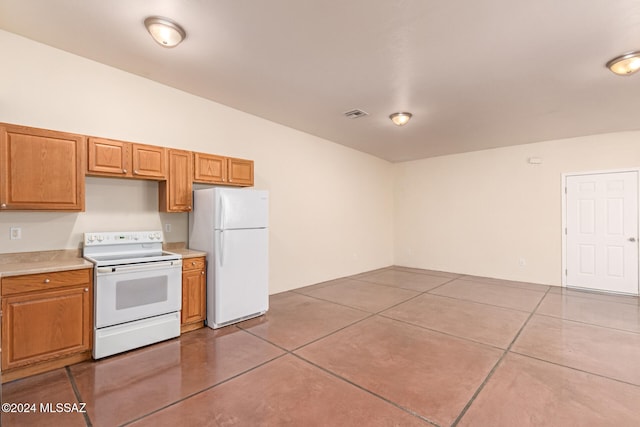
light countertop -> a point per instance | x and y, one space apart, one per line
16 264
180 248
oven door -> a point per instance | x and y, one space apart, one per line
133 292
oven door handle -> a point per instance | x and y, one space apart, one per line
139 267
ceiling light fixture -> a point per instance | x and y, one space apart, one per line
625 65
163 30
400 119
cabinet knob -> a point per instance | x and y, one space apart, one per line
202 273
193 263
136 172
86 289
47 280
124 171
230 180
4 205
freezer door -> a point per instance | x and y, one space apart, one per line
241 278
240 208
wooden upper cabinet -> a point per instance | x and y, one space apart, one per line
41 169
240 172
108 157
211 169
149 161
175 194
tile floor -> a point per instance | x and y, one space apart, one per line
392 347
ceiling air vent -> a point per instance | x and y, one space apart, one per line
355 114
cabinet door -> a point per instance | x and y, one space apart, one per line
41 169
175 193
108 157
209 169
193 296
45 325
149 161
240 172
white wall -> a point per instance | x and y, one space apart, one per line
479 213
331 207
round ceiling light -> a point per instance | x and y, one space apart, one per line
625 65
164 31
400 119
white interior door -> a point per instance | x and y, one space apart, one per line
602 231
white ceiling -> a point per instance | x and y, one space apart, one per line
475 73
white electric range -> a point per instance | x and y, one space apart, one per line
138 290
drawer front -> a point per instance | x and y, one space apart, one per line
193 264
43 281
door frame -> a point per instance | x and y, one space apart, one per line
563 190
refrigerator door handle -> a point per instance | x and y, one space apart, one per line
221 249
222 213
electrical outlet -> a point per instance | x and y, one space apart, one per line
15 233
522 262
167 228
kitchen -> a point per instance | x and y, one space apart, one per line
335 211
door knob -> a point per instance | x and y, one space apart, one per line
632 239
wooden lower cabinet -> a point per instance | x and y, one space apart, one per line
47 321
194 293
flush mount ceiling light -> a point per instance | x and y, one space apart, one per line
625 65
163 30
400 119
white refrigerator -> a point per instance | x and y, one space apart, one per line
230 225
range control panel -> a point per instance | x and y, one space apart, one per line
124 237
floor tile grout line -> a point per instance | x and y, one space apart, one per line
365 281
400 287
369 315
485 303
439 286
582 322
499 286
471 279
449 334
573 368
423 271
336 303
496 365
380 284
429 291
335 375
76 391
226 380
399 303
365 311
